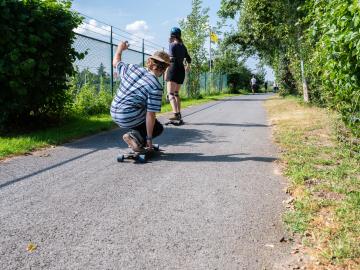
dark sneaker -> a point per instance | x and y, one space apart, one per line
134 141
176 117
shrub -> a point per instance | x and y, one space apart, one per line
89 100
334 34
37 56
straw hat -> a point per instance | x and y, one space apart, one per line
161 57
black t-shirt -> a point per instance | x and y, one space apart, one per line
178 53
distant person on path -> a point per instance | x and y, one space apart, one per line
266 86
275 87
253 84
175 74
138 98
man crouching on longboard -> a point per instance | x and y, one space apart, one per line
138 98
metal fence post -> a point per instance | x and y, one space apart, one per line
163 77
111 59
143 51
205 82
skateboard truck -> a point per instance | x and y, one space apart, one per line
139 157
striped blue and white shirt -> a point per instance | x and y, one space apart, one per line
139 92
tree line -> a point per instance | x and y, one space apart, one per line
312 45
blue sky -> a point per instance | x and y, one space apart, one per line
149 19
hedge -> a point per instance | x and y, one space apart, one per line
37 59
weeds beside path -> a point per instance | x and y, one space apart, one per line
74 128
324 179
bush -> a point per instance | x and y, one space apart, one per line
37 57
334 35
90 101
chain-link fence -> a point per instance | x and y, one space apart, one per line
99 41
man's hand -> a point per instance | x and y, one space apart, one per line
150 122
149 144
123 45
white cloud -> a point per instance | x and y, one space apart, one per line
94 29
137 27
140 30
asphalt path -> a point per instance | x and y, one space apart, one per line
210 200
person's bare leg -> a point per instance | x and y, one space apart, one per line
171 88
177 97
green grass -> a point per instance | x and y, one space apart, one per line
76 127
324 176
186 102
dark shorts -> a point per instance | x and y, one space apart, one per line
158 129
176 73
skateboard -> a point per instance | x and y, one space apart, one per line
175 122
139 157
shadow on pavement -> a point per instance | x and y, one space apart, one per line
171 136
199 157
112 139
227 124
8 183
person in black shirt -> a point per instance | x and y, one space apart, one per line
175 74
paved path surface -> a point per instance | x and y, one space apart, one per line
210 201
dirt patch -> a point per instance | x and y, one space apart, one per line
328 195
313 182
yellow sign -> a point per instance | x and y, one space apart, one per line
214 38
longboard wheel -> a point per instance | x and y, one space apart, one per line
142 158
120 158
156 147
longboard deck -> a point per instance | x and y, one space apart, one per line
140 157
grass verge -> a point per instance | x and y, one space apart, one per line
324 176
187 102
73 128
77 127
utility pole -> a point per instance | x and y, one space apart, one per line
305 86
210 62
210 49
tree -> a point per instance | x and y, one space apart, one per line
268 29
227 61
101 71
36 59
312 45
195 29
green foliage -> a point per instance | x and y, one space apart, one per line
36 58
227 61
335 58
324 179
72 128
229 8
323 34
90 98
195 30
267 29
